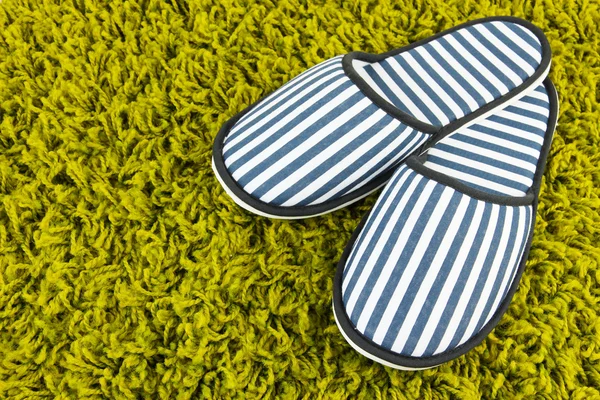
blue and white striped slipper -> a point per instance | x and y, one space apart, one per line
336 132
433 267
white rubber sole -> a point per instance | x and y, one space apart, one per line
248 207
371 356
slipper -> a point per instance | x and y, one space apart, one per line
433 267
336 132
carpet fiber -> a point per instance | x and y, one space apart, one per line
126 271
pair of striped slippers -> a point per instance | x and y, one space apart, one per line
456 128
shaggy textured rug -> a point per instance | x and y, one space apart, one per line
127 272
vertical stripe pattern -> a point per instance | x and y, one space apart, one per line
431 265
456 74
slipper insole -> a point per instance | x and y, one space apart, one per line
499 154
454 75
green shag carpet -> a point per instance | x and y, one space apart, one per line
126 272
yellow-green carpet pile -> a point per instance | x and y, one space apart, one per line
126 272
